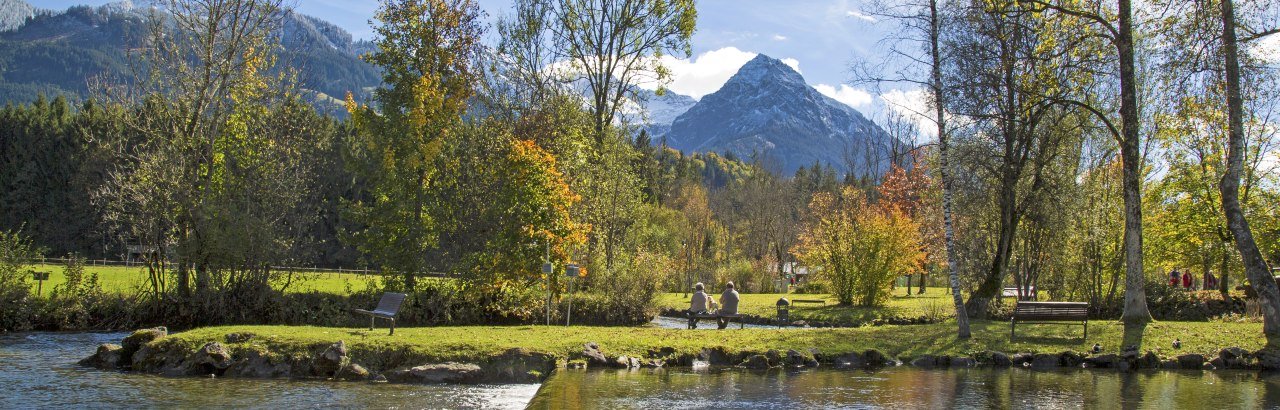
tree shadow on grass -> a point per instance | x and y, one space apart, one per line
1133 336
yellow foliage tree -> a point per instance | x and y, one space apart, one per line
859 247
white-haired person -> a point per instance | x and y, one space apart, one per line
698 304
728 304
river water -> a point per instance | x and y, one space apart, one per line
38 370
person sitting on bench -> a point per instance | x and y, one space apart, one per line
728 304
698 304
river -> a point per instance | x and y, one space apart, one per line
39 370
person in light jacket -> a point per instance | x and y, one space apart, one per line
698 304
728 304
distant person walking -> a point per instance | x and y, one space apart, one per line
1173 277
1210 281
728 304
1187 280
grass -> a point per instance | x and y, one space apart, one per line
472 343
935 303
124 279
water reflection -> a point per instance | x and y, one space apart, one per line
906 388
38 371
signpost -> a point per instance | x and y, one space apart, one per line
571 271
547 270
40 277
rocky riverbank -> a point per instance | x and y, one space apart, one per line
244 354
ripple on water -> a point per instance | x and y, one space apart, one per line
39 370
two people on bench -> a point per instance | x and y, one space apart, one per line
701 303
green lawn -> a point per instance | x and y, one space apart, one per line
935 302
122 279
477 342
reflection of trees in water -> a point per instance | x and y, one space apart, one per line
907 388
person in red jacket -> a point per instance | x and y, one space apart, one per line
1186 279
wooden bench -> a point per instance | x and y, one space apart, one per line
731 318
1050 313
387 308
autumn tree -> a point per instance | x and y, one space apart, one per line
860 247
427 51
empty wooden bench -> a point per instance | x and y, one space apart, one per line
1069 313
387 308
714 316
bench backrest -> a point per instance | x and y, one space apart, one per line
390 302
1051 310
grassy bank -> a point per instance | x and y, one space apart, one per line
474 343
934 304
128 279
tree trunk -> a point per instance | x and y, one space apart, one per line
1136 315
962 316
1255 268
980 300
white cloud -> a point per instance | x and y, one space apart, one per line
860 15
914 105
779 37
706 72
853 97
793 63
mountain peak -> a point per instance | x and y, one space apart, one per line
763 67
768 109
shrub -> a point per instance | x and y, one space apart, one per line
861 247
19 305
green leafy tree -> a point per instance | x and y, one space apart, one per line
427 50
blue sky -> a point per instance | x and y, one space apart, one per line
820 38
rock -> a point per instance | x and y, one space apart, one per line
106 358
1070 359
876 359
774 356
518 365
212 358
796 359
816 354
1102 361
1235 358
378 378
849 360
258 365
799 323
1267 359
351 371
1190 361
960 361
330 360
717 357
756 361
594 357
1149 361
1022 359
575 364
1044 361
448 372
999 359
925 361
135 341
1169 364
239 337
1216 363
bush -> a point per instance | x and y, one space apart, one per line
19 305
861 247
